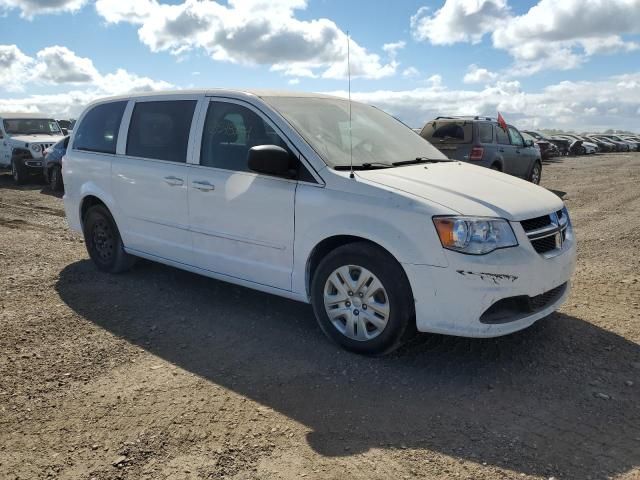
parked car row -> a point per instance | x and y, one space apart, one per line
572 144
32 147
491 143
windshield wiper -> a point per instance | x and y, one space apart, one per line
418 160
364 166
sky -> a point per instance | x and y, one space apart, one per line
570 64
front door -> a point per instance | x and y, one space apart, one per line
506 151
151 181
522 162
242 222
5 149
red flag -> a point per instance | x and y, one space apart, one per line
501 122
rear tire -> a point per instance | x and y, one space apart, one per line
368 296
103 241
55 179
535 176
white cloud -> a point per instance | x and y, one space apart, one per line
477 74
60 66
435 81
392 49
582 106
253 32
15 67
411 72
30 8
551 35
459 21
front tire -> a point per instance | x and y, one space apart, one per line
104 243
18 172
55 179
362 299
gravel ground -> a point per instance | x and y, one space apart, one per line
159 373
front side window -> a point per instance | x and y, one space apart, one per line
230 131
160 130
98 131
31 126
515 137
501 136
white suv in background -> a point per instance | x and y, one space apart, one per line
23 140
378 230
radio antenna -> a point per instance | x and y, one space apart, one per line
351 175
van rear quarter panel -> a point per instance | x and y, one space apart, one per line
86 174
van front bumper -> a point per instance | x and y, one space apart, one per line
491 295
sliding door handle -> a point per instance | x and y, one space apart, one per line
203 186
174 181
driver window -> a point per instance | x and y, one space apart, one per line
516 138
230 130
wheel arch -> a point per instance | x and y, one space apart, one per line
329 244
90 201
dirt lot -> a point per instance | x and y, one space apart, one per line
159 373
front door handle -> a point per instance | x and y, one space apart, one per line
203 186
174 181
501 150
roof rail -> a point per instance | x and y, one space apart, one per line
466 117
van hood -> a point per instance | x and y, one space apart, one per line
37 138
469 189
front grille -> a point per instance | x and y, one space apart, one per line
547 233
513 309
544 245
536 223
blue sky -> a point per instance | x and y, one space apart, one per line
544 63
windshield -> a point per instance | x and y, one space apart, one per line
378 139
28 126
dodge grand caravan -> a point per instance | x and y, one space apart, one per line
279 192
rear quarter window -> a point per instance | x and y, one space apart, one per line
448 132
485 132
98 131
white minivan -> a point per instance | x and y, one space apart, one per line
282 192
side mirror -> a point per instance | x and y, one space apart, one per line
64 131
271 160
528 143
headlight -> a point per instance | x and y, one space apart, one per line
35 147
474 235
